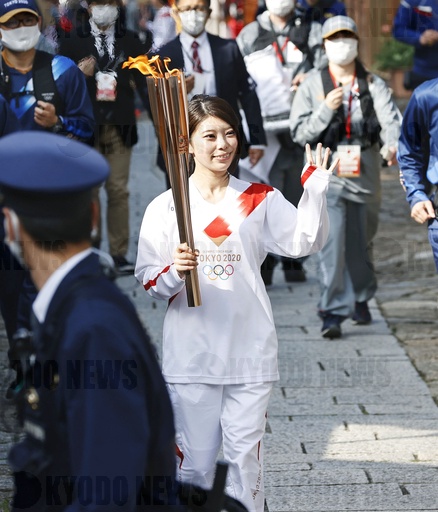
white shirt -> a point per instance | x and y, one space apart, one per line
45 295
205 56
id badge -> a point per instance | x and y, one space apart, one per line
349 161
106 86
293 53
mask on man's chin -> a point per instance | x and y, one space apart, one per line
15 244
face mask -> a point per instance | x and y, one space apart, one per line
104 15
20 39
14 245
341 51
280 7
193 22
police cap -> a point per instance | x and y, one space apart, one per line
47 175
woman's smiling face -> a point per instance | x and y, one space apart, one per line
214 145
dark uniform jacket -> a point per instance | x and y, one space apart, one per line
79 44
101 430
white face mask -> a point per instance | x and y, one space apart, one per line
104 15
341 51
14 245
193 22
20 39
280 7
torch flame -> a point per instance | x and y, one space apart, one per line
153 66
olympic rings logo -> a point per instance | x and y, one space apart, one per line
218 271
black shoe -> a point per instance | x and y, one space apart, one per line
122 265
361 315
331 326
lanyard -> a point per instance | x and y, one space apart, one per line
350 102
279 51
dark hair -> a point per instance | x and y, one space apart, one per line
52 234
202 106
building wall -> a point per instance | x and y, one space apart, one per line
374 19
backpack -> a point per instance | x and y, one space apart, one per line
43 82
335 132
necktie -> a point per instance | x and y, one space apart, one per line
104 58
197 68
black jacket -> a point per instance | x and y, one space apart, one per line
79 44
233 82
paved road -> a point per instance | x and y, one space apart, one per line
351 425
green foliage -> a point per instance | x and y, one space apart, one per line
4 505
394 55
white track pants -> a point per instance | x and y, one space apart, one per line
234 416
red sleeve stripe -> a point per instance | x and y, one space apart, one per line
307 173
179 454
424 11
153 282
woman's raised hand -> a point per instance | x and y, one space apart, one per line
321 161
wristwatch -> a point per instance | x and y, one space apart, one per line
58 126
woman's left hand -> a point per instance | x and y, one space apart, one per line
321 161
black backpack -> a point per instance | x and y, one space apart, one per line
43 82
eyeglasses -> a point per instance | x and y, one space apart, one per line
198 8
29 21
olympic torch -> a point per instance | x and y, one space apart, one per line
168 99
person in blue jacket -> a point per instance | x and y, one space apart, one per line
416 23
64 105
97 420
418 158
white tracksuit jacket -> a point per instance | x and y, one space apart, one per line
230 338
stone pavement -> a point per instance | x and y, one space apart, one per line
352 426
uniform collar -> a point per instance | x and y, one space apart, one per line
45 295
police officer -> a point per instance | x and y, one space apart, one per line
93 404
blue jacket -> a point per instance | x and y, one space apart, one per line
102 434
413 17
8 122
77 115
418 144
